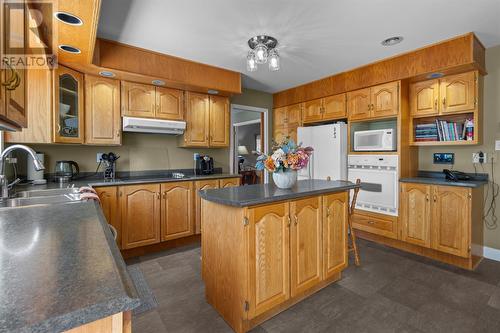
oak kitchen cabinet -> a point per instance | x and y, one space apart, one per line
108 196
440 217
140 207
324 109
102 111
207 120
335 210
198 186
285 122
449 95
176 210
374 102
229 182
148 101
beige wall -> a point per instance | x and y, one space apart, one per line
146 151
491 131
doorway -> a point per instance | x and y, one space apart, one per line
249 138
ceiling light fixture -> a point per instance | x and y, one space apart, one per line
392 41
263 49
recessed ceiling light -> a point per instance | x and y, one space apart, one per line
435 75
392 41
107 74
158 82
68 18
69 48
213 91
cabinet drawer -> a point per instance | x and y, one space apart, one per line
381 226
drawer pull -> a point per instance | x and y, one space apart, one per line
371 222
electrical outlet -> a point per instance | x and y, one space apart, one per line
479 157
99 155
497 144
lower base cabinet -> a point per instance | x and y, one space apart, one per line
176 211
293 247
109 203
438 217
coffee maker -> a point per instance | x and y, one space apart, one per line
204 165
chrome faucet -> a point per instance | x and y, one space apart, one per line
4 184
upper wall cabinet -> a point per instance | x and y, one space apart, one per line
68 106
207 119
102 111
448 95
286 120
375 102
146 101
323 109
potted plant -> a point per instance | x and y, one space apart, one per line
287 157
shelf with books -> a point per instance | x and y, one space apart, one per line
443 130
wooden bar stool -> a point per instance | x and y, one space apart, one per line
353 246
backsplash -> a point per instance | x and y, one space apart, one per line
138 152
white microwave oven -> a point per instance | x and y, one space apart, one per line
375 140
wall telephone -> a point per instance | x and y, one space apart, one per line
456 175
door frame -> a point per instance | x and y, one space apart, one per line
265 113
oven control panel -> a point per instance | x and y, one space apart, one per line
372 161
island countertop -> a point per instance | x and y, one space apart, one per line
60 268
251 195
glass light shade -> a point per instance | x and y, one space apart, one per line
260 54
251 64
274 61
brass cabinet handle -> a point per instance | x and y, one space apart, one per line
117 133
164 194
434 198
435 104
296 219
444 101
426 197
371 222
328 212
157 195
289 220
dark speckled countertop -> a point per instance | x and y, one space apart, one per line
438 178
251 195
60 268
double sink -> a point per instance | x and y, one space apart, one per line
42 197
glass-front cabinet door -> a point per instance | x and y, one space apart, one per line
68 106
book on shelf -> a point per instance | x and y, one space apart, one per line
440 130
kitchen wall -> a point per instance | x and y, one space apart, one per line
145 151
491 131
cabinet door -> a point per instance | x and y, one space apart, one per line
138 100
305 244
140 215
169 103
201 185
335 214
385 100
269 257
110 208
416 214
279 117
424 98
14 22
451 218
358 104
68 106
279 134
458 93
219 121
292 133
176 210
294 115
313 110
334 107
102 111
229 182
197 118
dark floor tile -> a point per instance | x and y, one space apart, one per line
488 321
437 317
408 293
363 282
494 300
148 322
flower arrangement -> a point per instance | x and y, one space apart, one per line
287 155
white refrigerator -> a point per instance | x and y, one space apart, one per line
329 158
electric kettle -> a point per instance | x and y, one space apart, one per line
65 171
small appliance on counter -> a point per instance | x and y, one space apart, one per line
109 160
65 171
204 165
35 177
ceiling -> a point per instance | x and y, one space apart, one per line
317 38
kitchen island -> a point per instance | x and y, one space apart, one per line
265 249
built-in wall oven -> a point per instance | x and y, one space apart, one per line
379 182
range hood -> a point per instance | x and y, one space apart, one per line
145 125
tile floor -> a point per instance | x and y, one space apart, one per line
391 292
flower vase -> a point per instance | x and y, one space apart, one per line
285 179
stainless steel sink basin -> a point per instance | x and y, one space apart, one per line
40 200
46 193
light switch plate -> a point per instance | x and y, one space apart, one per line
497 145
99 157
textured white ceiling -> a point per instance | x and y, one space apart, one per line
316 38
